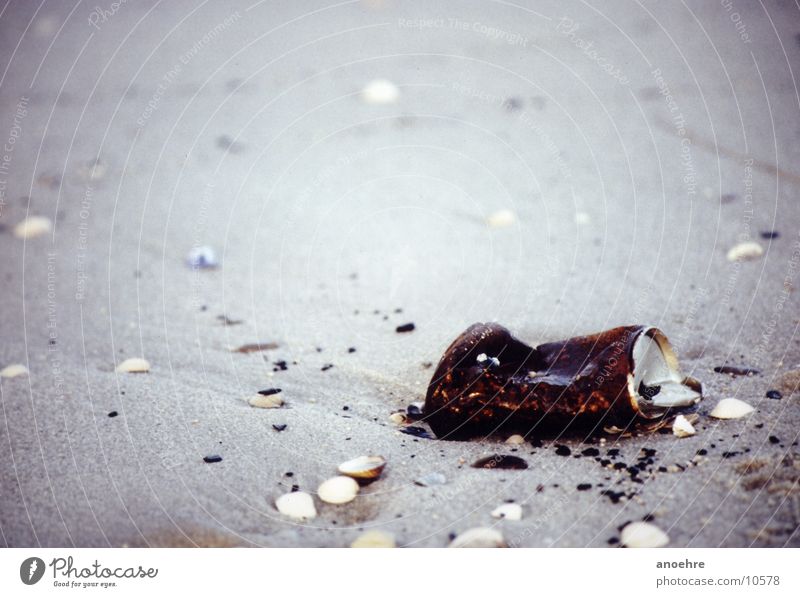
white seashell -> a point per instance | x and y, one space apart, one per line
380 91
682 427
134 365
508 512
374 539
643 534
363 467
431 479
731 408
338 490
515 440
745 251
13 371
259 401
297 505
479 537
398 418
501 219
32 227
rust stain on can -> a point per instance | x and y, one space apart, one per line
489 381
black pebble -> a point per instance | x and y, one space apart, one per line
279 427
774 440
326 367
212 458
113 414
406 327
769 234
270 391
289 474
584 486
351 349
345 407
562 450
591 452
774 395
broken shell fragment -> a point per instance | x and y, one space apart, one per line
374 539
134 365
363 467
643 534
32 227
681 427
13 370
338 490
731 408
398 418
508 512
479 537
627 375
297 505
501 461
501 219
515 440
431 480
268 401
745 251
380 91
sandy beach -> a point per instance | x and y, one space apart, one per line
355 167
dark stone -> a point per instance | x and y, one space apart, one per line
212 458
406 327
501 461
774 395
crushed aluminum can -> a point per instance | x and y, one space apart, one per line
624 379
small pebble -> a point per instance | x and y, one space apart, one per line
515 440
374 539
563 450
731 408
501 219
113 414
32 227
212 458
380 91
202 258
297 505
508 512
682 427
774 395
270 401
584 486
406 327
134 365
769 234
431 480
745 251
338 490
479 537
13 371
643 534
774 440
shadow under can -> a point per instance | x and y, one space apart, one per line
488 381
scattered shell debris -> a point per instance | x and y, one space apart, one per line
13 370
365 468
731 408
338 490
32 227
297 505
268 401
746 251
202 258
431 480
134 365
681 427
508 512
643 534
380 91
479 537
501 219
374 539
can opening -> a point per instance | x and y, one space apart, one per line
658 383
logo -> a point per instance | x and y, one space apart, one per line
31 571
